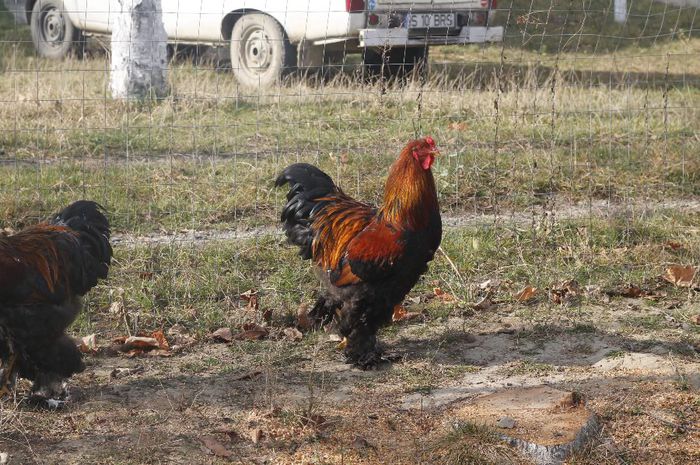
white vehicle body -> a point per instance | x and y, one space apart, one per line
315 21
267 38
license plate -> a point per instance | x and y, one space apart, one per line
431 21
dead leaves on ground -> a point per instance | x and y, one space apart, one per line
152 344
292 334
252 332
88 344
401 314
527 294
303 319
680 276
565 292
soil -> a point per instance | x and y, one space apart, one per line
278 401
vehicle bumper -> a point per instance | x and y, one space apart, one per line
399 37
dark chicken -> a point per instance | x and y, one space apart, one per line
44 271
368 257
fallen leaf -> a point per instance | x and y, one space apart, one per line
681 276
247 295
215 447
222 334
267 316
695 319
251 332
673 245
146 275
401 314
140 343
251 296
293 334
88 344
303 320
565 291
442 295
256 435
631 291
344 158
525 295
162 341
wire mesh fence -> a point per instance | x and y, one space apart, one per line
568 133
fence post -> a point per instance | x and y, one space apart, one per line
620 11
139 51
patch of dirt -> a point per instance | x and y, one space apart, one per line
562 211
276 401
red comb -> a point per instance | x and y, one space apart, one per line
429 140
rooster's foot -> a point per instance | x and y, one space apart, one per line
369 361
50 391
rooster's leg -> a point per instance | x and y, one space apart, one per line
358 323
362 349
7 378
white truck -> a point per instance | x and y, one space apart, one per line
269 37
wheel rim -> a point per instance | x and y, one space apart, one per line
52 26
256 50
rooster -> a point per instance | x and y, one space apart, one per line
368 257
44 271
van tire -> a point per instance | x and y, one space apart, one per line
260 51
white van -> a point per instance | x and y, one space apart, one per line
268 37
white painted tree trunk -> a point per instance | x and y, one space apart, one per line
139 51
620 11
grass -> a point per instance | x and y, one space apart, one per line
198 285
206 156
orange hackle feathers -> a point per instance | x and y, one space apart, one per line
35 248
409 193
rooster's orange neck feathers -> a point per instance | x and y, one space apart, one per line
409 194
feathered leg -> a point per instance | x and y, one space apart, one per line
360 331
56 363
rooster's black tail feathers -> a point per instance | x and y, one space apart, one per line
308 184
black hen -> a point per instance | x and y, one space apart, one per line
44 271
